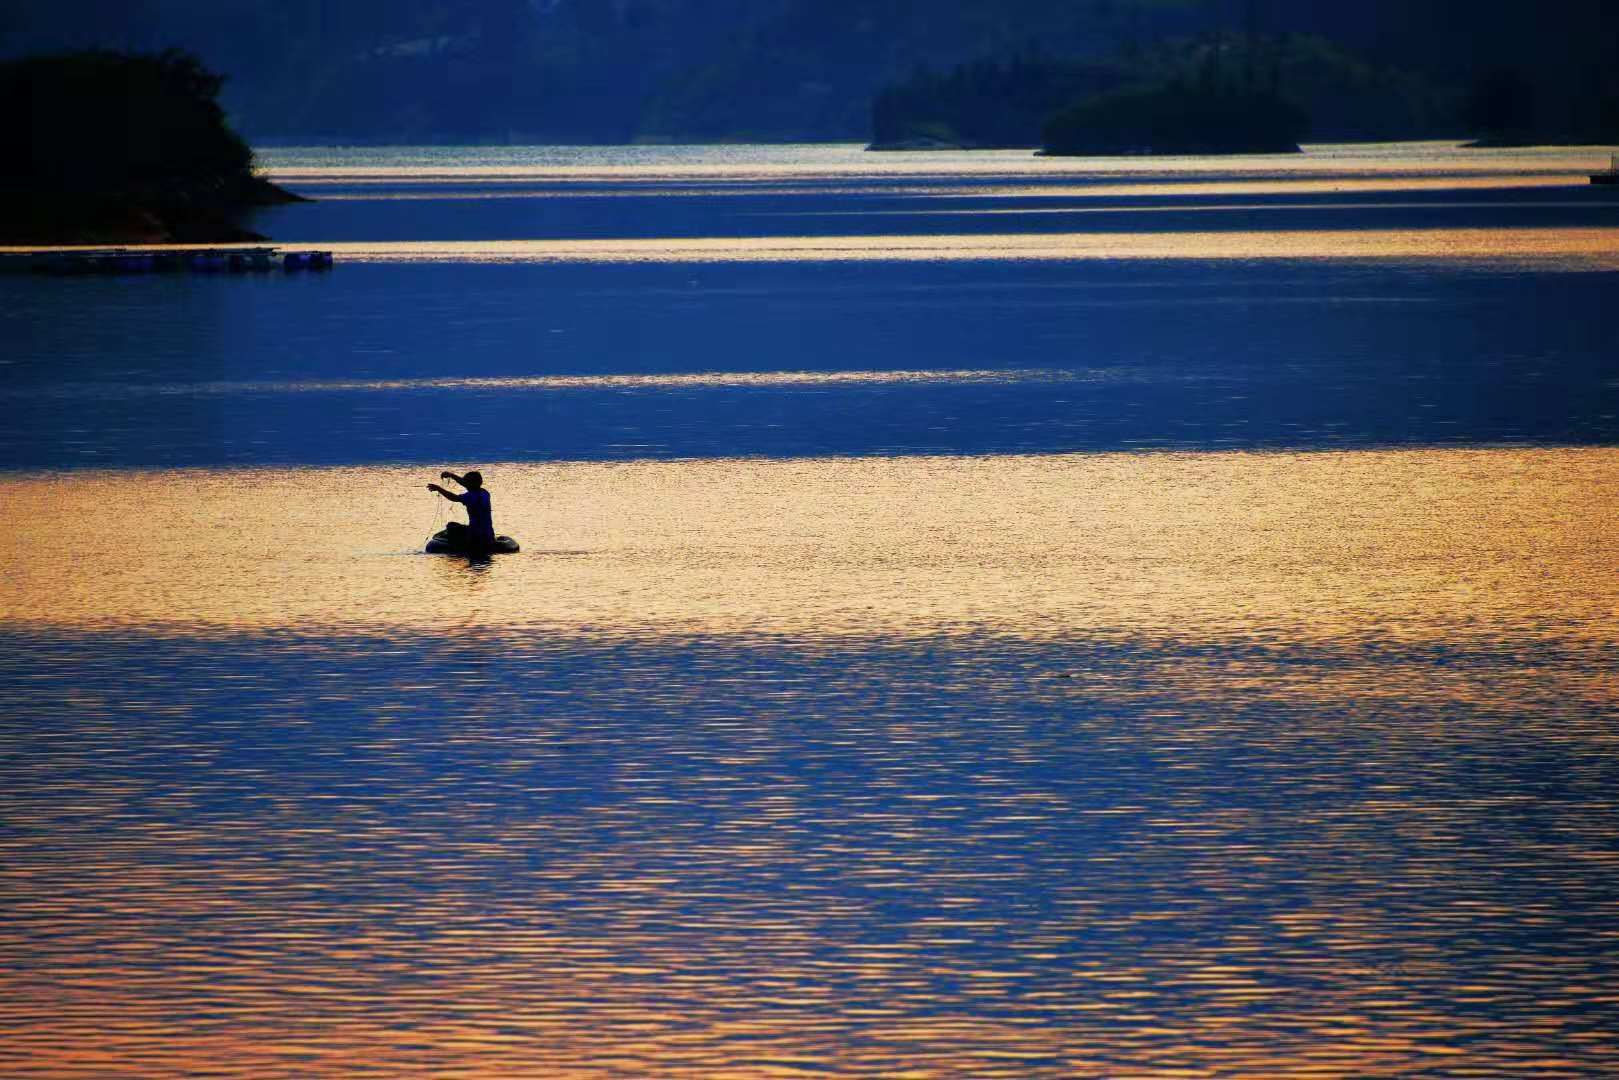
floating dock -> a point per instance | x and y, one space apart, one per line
1611 177
198 260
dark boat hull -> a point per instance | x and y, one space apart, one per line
440 544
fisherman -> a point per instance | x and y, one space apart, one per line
479 532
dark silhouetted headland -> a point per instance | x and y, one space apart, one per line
106 147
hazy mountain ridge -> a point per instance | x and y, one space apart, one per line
618 70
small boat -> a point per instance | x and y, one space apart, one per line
1611 177
441 544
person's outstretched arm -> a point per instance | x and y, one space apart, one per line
452 476
452 496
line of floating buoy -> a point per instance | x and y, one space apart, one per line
169 260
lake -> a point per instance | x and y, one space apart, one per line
979 615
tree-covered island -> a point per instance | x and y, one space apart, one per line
1212 93
109 147
1178 119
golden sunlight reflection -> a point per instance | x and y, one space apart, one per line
762 163
1577 248
1568 250
424 188
1590 248
423 841
1023 767
1388 545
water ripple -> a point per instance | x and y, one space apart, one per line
522 854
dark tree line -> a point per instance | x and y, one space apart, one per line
1219 95
613 70
1178 119
1237 89
110 122
98 136
986 103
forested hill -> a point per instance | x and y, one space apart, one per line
117 148
575 70
617 70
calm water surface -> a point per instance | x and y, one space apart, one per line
980 616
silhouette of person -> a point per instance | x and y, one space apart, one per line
479 532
